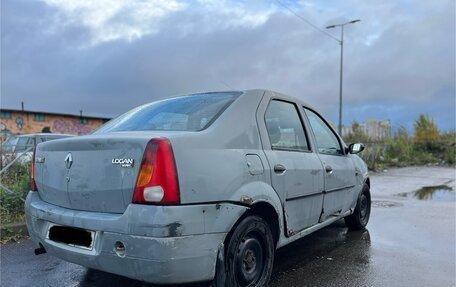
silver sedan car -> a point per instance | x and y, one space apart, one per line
203 187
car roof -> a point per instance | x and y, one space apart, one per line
283 96
250 91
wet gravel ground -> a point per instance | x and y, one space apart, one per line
410 241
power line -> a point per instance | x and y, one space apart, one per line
225 84
307 21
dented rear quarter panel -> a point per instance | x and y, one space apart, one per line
212 164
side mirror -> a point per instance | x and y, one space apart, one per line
355 148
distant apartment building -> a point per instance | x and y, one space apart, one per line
374 129
14 122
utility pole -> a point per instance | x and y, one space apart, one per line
341 42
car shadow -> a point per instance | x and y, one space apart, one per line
325 256
95 278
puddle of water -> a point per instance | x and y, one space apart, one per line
436 193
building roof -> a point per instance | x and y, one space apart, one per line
55 114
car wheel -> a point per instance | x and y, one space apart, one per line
360 217
249 254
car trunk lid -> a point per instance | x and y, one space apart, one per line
90 173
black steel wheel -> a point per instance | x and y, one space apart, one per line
249 254
360 217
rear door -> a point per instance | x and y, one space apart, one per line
296 171
338 168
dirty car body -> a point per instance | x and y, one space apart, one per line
185 189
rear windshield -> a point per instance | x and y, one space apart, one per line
188 113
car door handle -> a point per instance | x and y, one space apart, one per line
278 168
328 169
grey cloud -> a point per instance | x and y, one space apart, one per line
401 55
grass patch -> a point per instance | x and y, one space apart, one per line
16 179
9 234
406 151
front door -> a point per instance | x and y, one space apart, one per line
296 171
338 168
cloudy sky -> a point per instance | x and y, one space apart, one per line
107 56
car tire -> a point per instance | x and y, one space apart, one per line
360 217
249 254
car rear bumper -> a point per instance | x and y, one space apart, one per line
163 245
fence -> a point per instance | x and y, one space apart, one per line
16 159
14 183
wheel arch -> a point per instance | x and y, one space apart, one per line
268 213
263 201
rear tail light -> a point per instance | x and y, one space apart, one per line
33 186
157 181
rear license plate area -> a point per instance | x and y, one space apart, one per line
72 236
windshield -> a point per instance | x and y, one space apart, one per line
188 113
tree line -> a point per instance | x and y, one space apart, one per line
427 145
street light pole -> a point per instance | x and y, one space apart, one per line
341 42
339 129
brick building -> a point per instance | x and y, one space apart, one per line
14 122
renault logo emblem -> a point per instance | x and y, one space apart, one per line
68 160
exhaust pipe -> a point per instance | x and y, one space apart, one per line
40 250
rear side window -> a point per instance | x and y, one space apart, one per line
284 127
188 113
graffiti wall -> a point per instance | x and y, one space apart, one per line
17 122
70 127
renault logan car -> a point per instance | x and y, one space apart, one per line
203 187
